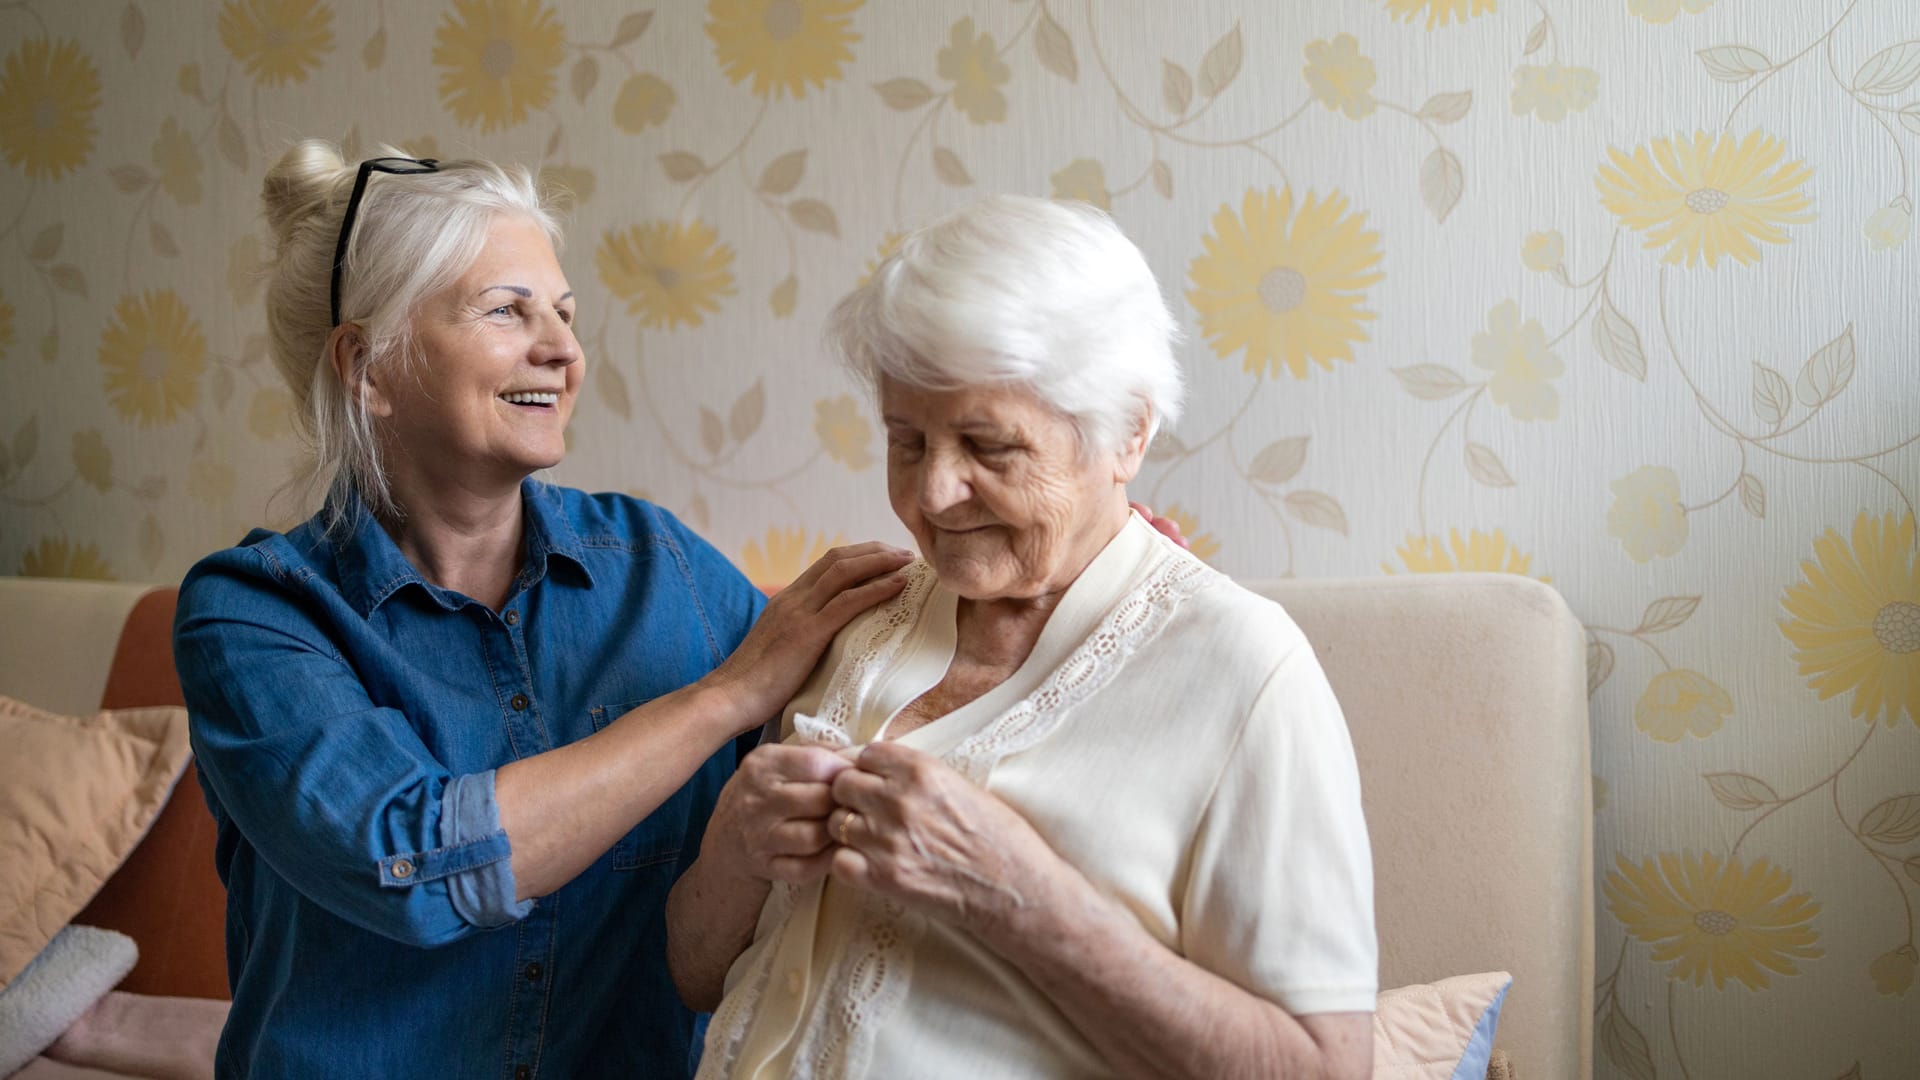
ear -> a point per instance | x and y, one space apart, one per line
349 357
1133 452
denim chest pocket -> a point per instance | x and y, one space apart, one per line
657 840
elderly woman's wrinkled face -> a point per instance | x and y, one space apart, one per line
498 369
993 486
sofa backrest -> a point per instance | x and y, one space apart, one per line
1466 697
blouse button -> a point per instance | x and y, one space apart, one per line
513 618
795 982
519 703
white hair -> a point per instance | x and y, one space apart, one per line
413 235
1026 291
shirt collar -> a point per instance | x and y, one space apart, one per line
373 568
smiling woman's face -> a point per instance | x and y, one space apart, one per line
498 367
994 488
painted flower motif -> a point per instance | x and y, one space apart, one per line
1204 546
644 100
1679 703
1855 619
1714 918
668 274
567 185
1709 197
56 558
843 431
1646 515
92 460
1084 179
785 556
972 64
1887 227
211 481
785 46
1285 286
178 162
48 94
497 60
889 244
1438 12
153 353
1551 91
246 271
1340 78
1544 251
1892 972
277 41
1665 11
1515 351
1480 552
270 414
6 325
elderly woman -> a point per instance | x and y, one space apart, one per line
458 700
1072 804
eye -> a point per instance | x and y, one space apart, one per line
566 315
503 311
991 450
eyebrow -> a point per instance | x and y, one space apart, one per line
523 292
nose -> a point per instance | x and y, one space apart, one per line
943 482
555 345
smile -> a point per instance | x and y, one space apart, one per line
531 397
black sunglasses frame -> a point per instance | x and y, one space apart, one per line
393 166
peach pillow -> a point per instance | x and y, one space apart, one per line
77 794
1438 1031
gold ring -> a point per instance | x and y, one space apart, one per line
845 821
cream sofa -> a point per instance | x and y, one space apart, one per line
1465 693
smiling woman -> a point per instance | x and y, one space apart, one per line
459 699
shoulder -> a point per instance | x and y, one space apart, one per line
1240 629
264 560
613 528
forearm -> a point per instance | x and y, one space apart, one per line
711 915
562 809
1151 1012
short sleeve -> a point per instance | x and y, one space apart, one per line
1280 895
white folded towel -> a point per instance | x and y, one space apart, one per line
76 969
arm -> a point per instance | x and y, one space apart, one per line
343 799
1275 969
566 806
769 825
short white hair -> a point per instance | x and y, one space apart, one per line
1017 290
413 236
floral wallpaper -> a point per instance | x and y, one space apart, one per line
1619 294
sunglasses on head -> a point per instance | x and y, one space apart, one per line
396 166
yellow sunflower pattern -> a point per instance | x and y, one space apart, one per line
152 355
785 554
1715 919
1440 12
49 91
1479 552
669 274
973 65
497 60
57 558
786 47
277 41
1854 619
1285 284
1707 197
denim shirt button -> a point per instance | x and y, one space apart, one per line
519 703
522 1072
512 617
402 868
533 971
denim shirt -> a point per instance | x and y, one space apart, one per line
347 719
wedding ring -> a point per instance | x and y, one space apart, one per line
845 820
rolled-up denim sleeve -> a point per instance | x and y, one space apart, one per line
470 821
338 795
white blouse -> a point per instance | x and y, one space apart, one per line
1171 736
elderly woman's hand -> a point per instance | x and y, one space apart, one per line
781 649
912 828
771 819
